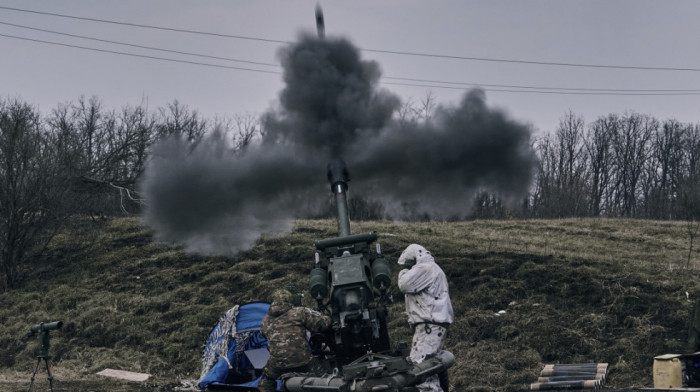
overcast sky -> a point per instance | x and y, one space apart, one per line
626 34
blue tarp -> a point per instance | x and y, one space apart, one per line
248 321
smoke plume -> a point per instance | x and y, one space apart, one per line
217 202
437 168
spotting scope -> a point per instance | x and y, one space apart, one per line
42 330
50 326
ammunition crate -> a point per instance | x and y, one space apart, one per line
677 371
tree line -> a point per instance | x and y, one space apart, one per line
620 165
83 160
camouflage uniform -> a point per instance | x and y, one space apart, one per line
428 307
285 328
694 329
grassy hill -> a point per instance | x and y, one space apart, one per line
573 290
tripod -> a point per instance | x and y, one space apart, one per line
42 350
48 370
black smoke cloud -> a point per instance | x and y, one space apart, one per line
213 201
216 202
331 100
437 167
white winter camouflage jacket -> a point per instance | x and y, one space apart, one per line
425 288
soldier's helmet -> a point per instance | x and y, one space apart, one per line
282 295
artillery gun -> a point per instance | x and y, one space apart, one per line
355 281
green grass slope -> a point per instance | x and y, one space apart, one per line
573 290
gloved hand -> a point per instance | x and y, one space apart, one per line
409 264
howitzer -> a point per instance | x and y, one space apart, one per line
355 280
351 282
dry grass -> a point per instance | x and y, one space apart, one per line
574 290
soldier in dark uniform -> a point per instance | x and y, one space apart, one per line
694 329
285 328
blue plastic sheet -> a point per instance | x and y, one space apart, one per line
249 319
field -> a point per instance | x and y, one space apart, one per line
573 290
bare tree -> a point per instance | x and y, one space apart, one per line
561 180
664 171
246 128
544 191
692 156
101 153
407 112
691 204
88 114
630 147
132 140
597 145
178 119
571 164
427 107
411 112
690 188
30 195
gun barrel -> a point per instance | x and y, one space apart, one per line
338 178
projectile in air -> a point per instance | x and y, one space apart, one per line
320 26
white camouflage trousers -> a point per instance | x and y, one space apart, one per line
424 344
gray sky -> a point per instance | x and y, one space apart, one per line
628 33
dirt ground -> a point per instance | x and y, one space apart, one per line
103 385
20 381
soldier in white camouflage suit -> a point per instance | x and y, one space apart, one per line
428 307
285 328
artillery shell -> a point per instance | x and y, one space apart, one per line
570 366
598 377
544 386
320 24
574 372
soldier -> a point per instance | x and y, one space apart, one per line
285 328
694 329
428 307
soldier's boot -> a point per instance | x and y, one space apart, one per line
444 381
267 384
